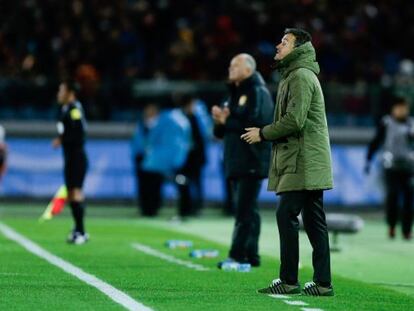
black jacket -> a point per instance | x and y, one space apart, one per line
250 105
72 128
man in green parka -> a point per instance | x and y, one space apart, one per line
300 164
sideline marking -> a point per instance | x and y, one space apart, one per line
115 294
277 296
153 252
295 302
393 284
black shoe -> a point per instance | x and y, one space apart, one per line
391 232
77 238
278 287
254 262
314 289
407 236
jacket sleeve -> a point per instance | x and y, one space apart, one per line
377 141
218 131
299 99
74 130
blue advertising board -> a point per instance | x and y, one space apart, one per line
35 170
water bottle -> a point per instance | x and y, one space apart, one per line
178 244
235 266
204 253
244 267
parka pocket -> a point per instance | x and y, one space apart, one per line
287 157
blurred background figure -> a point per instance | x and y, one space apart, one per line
248 105
160 148
189 178
395 133
3 152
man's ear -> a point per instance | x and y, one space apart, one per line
294 41
248 71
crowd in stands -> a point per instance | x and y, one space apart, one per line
105 44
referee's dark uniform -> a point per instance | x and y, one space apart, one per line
71 129
245 165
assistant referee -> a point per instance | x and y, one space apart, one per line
71 129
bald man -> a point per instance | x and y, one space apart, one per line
248 105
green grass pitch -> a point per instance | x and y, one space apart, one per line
371 273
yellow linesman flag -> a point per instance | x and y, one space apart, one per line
56 205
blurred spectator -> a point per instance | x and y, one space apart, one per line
404 81
395 134
140 37
107 44
189 179
159 148
3 151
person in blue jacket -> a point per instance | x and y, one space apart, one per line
189 178
160 147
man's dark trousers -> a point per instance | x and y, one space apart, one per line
310 204
398 183
245 244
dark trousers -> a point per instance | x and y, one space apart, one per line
398 186
149 191
191 193
245 243
229 204
310 204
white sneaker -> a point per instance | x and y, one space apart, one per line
78 238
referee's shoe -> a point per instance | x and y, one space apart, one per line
77 238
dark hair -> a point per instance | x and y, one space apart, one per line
301 36
183 100
72 85
151 104
399 101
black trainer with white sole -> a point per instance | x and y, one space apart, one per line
77 238
313 289
278 287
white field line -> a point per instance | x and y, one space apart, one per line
150 251
394 284
115 294
277 296
295 302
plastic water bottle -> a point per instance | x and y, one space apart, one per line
204 253
244 267
179 244
235 266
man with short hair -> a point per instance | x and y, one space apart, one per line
72 133
395 133
301 164
249 104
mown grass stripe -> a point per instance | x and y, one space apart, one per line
150 251
115 294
